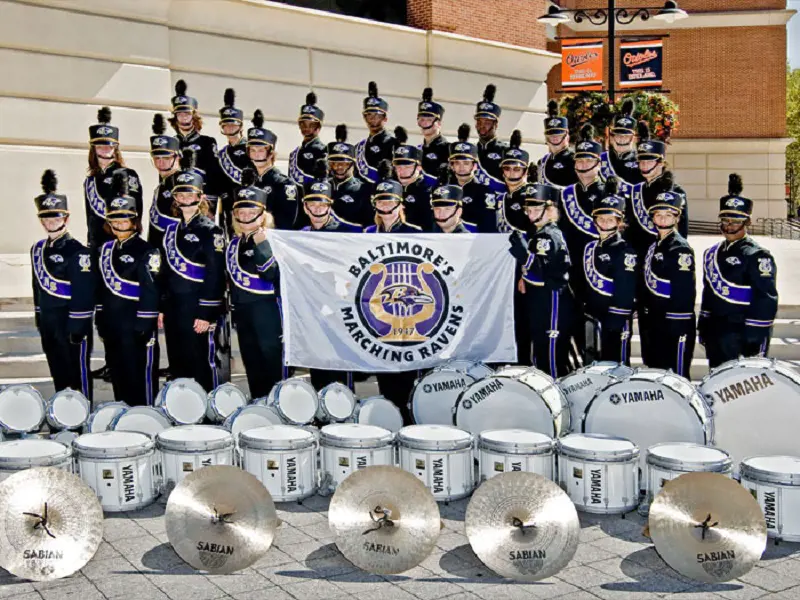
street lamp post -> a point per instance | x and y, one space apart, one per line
612 16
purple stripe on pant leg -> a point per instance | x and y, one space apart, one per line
148 371
84 368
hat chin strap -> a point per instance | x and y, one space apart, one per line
387 212
654 167
446 219
590 169
738 229
253 220
607 229
431 126
324 215
57 229
118 230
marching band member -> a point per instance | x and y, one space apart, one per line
435 148
740 297
379 145
512 215
544 258
620 159
165 154
129 296
479 203
281 191
490 149
417 185
194 283
303 158
609 269
447 204
232 157
254 278
63 293
557 167
188 124
669 291
351 194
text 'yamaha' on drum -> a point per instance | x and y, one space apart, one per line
183 400
102 416
18 455
441 457
22 408
775 482
337 403
600 473
756 407
506 450
224 401
380 412
283 458
296 400
121 468
580 386
435 395
650 407
348 447
67 409
187 448
530 400
141 419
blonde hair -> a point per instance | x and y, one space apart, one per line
204 208
401 211
267 221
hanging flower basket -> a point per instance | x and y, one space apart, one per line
659 111
586 107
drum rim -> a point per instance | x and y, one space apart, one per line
161 402
324 409
145 448
723 465
757 475
19 463
532 448
610 456
88 425
194 446
412 403
276 404
338 441
246 441
372 400
6 428
405 441
212 407
229 422
115 421
51 417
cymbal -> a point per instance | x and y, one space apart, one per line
522 526
707 527
385 520
221 519
51 524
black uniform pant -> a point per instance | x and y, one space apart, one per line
551 315
68 363
603 343
133 360
669 343
258 326
522 326
190 354
726 341
397 387
322 377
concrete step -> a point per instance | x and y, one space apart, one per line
780 348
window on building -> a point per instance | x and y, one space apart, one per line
385 11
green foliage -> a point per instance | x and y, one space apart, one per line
660 112
793 131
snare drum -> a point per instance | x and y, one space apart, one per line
22 408
224 401
187 448
580 386
283 458
103 416
380 412
18 455
65 437
775 482
756 407
441 457
348 447
650 407
599 472
67 409
183 400
666 462
250 417
337 403
296 401
120 467
476 370
141 419
504 450
435 395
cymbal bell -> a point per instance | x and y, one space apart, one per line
385 519
707 527
522 526
51 524
221 519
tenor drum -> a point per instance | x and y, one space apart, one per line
18 455
476 370
441 457
775 482
435 395
283 458
599 472
22 408
580 386
756 407
121 468
65 437
650 407
141 419
337 403
103 416
183 400
67 409
504 450
380 412
348 447
296 401
187 448
250 417
224 401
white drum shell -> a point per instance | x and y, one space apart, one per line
224 401
11 421
434 396
664 463
102 416
67 409
777 493
19 455
580 386
249 417
190 408
337 403
506 450
379 412
293 394
283 458
441 457
183 453
349 447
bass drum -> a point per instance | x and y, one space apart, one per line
580 386
476 370
650 407
435 395
756 407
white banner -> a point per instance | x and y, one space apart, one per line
382 302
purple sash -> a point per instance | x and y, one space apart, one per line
55 287
659 287
575 213
640 211
730 292
367 172
231 170
599 283
116 284
97 204
179 263
158 219
241 278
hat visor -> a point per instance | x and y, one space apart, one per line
230 121
622 130
104 141
445 203
248 204
182 108
121 214
52 212
186 188
373 109
259 143
341 158
486 115
427 113
536 202
669 207
513 162
161 152
733 214
306 117
612 212
555 130
405 161
648 156
386 196
587 155
463 157
318 198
